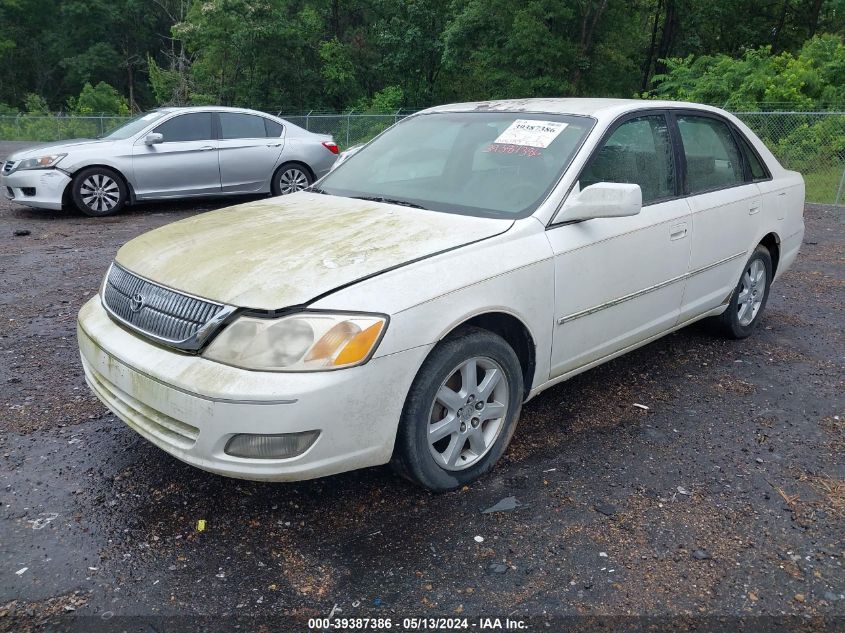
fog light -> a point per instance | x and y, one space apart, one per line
280 446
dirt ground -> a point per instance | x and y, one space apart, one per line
724 500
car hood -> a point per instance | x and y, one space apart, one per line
57 147
289 250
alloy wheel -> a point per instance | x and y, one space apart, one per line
751 293
292 180
468 413
100 192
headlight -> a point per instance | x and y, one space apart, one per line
40 162
308 341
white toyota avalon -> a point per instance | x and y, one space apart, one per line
405 307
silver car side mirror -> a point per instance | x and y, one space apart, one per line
601 200
153 137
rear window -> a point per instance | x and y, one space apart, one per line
234 125
273 129
758 172
713 158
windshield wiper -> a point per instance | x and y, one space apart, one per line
401 203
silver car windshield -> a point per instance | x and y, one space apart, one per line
493 164
134 125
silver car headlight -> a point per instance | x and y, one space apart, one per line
40 162
307 341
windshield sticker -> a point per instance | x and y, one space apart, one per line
530 133
519 150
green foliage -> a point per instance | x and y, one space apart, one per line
815 77
35 104
333 54
99 99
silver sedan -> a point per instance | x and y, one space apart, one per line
170 153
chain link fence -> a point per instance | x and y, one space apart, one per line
810 142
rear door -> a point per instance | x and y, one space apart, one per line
250 146
184 164
725 207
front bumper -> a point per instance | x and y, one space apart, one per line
190 406
43 188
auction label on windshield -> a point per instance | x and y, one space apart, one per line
530 133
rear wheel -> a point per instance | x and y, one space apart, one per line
98 191
749 297
461 411
290 178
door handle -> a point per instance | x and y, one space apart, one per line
274 144
206 148
754 208
678 231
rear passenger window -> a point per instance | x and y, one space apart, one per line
758 172
234 125
638 152
186 127
273 129
713 159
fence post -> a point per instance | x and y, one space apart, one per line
396 116
102 129
306 120
841 186
348 125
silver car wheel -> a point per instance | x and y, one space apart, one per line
752 291
468 413
292 180
100 192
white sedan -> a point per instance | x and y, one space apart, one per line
405 307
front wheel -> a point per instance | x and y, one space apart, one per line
98 191
290 178
749 297
461 411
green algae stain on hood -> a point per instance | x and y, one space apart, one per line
285 251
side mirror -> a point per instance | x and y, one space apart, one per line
153 137
602 200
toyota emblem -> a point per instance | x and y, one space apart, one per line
136 302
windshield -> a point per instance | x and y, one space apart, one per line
493 164
134 125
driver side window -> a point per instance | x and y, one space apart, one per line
638 152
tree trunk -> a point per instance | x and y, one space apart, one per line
650 57
779 28
667 37
815 13
589 20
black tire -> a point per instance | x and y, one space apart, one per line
730 321
412 455
99 191
291 177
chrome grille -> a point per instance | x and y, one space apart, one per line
8 166
159 312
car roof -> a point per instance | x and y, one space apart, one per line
598 108
212 109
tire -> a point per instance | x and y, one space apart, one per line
99 191
470 443
737 322
290 178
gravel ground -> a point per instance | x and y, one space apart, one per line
725 499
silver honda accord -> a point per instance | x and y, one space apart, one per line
170 153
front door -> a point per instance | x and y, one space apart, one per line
184 164
619 281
